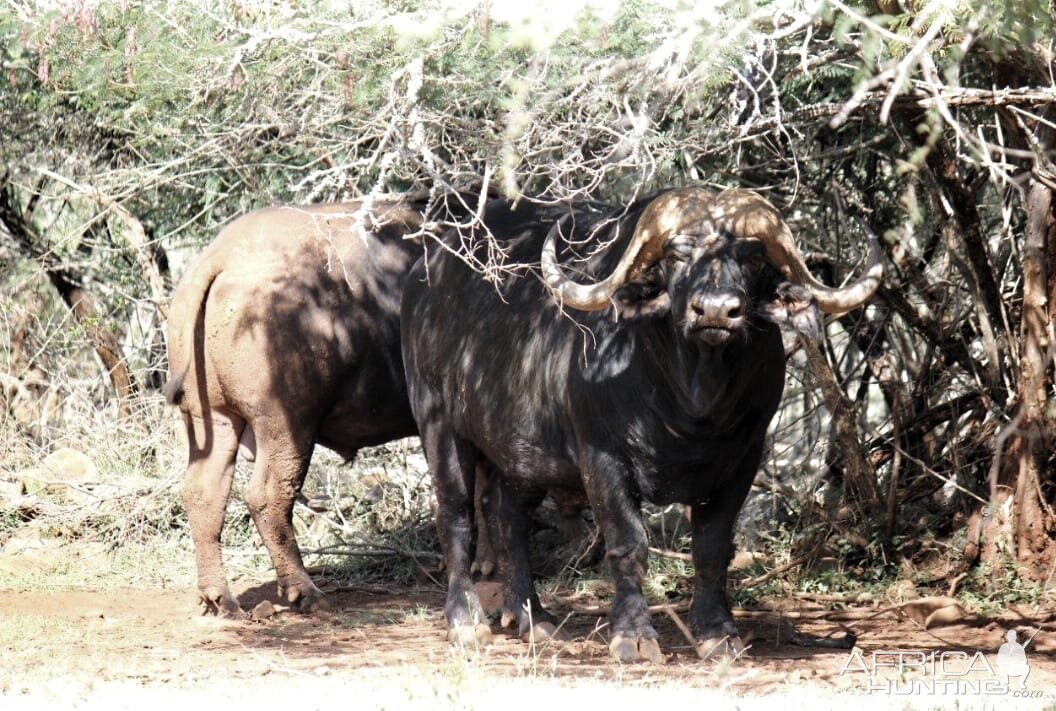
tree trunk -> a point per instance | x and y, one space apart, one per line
104 341
963 232
1033 515
861 490
1022 524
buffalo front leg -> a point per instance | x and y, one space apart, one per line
627 550
452 464
282 462
508 516
713 627
212 444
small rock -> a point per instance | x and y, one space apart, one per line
28 545
14 565
70 466
828 564
26 551
11 490
26 507
262 611
902 591
934 611
318 503
744 560
60 473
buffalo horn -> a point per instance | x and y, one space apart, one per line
743 213
748 215
661 218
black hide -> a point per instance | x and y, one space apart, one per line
645 400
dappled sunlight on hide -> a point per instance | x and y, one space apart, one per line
652 375
295 314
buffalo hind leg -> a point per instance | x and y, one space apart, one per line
508 516
484 561
213 445
713 627
282 462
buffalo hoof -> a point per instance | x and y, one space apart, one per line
221 604
263 611
305 597
484 567
725 647
314 604
542 632
632 649
469 636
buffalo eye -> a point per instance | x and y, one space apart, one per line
679 249
644 298
752 254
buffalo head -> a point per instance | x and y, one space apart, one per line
714 263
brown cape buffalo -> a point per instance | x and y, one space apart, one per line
283 334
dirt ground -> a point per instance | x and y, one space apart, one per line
381 648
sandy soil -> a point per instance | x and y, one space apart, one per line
386 649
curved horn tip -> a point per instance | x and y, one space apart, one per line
859 292
583 297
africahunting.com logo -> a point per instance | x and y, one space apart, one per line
908 672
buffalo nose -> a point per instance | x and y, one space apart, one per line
717 310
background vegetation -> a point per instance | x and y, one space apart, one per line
918 445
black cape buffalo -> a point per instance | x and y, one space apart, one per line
652 374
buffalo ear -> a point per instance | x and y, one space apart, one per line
795 307
643 298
